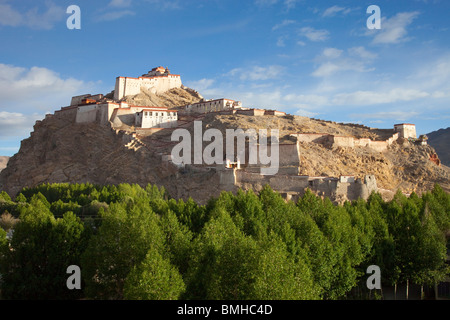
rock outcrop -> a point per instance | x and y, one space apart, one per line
3 162
440 141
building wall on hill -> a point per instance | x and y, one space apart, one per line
212 106
131 86
406 130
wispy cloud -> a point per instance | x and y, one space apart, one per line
201 85
314 34
33 18
393 30
283 24
114 15
257 73
165 4
15 124
120 3
332 11
392 115
364 98
332 61
37 88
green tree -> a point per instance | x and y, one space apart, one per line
178 239
126 234
42 248
155 278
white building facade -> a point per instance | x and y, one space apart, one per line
213 105
156 81
156 118
406 130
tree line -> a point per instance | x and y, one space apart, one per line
138 243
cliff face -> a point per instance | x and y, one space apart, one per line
440 140
61 151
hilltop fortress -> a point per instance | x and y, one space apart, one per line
148 129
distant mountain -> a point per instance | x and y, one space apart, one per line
3 162
440 141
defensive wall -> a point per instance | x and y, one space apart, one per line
345 141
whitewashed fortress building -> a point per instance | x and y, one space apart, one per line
158 80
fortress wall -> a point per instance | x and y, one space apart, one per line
274 113
363 142
251 112
126 86
289 154
126 116
69 113
277 182
340 141
87 114
311 137
393 138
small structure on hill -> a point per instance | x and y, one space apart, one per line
206 106
406 130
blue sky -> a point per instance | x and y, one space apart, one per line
304 57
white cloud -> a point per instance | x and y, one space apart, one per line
391 115
393 30
332 11
381 97
306 100
9 16
332 53
283 24
32 18
165 4
333 61
120 3
37 88
257 73
15 124
361 52
314 34
327 69
201 84
265 2
306 113
114 15
280 41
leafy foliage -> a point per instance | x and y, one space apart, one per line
138 243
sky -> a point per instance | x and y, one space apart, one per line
314 58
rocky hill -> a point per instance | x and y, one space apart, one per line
440 140
3 162
60 150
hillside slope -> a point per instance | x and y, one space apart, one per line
440 140
61 151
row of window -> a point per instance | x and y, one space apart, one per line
156 114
